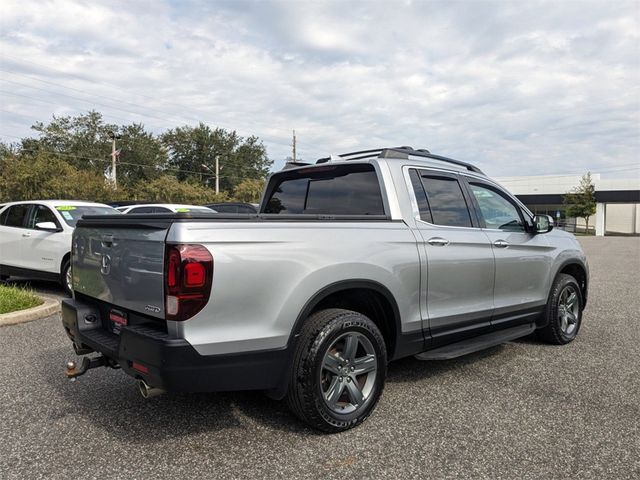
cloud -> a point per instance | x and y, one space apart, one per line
517 88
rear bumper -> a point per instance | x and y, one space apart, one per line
169 363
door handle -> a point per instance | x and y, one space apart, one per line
438 242
26 234
501 244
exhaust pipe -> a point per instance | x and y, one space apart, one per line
147 391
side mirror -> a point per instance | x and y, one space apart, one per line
47 226
543 223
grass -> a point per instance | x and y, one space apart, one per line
13 299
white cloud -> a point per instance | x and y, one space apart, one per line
514 87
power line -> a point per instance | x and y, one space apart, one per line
146 107
226 160
635 166
102 82
107 116
160 169
91 102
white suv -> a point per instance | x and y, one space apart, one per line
35 237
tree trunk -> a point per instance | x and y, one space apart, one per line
586 221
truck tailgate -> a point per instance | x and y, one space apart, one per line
121 263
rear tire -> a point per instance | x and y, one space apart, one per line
65 278
339 370
563 311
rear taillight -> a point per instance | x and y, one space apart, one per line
188 277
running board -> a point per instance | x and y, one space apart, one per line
475 344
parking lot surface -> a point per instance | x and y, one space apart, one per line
522 410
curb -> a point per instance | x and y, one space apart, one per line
50 306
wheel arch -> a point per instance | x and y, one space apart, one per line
377 298
578 271
368 297
65 257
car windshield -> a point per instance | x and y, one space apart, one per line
73 213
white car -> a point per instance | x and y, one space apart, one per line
163 208
35 237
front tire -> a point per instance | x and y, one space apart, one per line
339 370
563 311
65 278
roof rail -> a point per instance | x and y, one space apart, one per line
401 152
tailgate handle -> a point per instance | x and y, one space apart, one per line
107 241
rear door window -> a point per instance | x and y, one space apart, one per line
15 215
330 190
446 200
421 196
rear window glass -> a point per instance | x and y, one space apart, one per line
330 190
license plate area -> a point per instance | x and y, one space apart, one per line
117 320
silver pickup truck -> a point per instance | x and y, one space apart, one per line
352 262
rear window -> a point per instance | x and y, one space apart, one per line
327 190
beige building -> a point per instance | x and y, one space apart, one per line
618 200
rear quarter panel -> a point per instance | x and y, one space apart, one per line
264 274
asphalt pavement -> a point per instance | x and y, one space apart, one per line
521 410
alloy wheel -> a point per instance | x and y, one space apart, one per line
568 310
348 373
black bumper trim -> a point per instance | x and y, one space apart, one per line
172 364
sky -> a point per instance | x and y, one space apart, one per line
517 88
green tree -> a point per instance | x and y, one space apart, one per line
193 150
581 201
84 142
249 190
45 175
169 189
142 155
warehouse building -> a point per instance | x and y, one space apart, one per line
618 201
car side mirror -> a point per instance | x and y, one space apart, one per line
47 226
543 223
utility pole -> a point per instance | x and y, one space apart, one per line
217 176
114 156
294 146
217 173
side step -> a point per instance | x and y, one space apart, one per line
475 344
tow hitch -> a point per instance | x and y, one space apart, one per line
73 371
